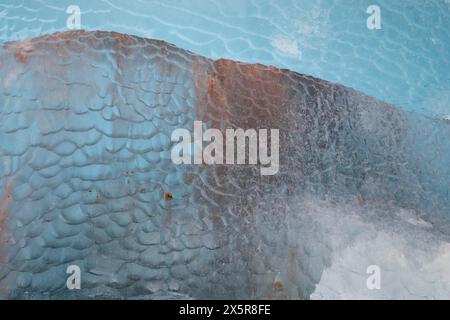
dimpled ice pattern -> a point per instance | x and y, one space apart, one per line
87 178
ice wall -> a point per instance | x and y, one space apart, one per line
86 119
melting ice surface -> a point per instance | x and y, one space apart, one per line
311 228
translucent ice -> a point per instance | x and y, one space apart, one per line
87 179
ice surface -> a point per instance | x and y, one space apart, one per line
85 126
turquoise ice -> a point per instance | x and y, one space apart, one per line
86 179
406 63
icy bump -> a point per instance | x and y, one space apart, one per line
86 170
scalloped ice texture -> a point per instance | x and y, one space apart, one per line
85 126
405 63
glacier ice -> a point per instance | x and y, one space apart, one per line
85 124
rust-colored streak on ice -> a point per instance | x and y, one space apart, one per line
235 95
6 198
122 48
23 49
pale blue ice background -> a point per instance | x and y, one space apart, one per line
405 63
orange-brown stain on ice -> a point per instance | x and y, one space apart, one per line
5 202
23 49
6 198
122 47
278 286
168 196
234 94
